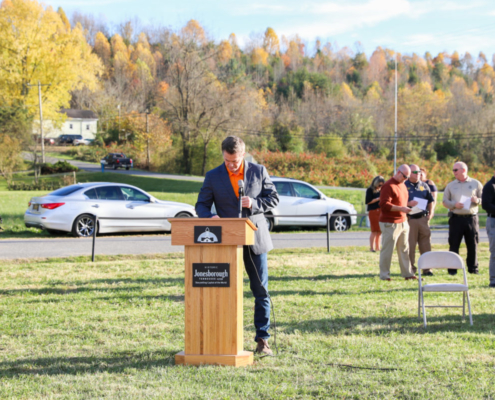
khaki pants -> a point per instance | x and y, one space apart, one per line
419 234
392 235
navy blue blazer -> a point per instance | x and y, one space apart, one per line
257 185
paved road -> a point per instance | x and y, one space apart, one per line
152 244
96 167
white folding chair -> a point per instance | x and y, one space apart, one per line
442 260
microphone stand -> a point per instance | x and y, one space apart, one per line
241 193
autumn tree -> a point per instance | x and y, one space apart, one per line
37 46
271 44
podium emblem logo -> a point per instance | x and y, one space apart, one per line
207 234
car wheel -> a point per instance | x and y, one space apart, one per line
127 168
115 167
183 215
84 226
340 223
269 223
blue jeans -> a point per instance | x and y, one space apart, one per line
490 230
253 263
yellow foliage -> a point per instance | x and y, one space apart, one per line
143 53
475 88
36 46
259 56
261 101
346 91
224 51
374 93
487 70
143 40
270 42
118 45
64 18
102 47
193 31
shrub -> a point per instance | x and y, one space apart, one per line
42 184
57 168
354 171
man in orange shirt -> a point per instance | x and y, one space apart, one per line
221 186
393 224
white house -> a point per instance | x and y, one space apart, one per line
78 122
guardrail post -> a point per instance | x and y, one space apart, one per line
95 219
328 232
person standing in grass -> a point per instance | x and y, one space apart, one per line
419 223
221 187
463 222
393 224
373 205
488 204
431 185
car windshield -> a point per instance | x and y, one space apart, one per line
66 190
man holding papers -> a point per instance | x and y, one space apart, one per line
421 201
462 197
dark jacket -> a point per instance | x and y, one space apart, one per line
258 186
488 197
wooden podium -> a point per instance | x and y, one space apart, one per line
213 289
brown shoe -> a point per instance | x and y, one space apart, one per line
263 348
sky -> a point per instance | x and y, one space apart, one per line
407 26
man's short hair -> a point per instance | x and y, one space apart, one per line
233 145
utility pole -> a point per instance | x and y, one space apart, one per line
42 138
119 120
148 138
395 130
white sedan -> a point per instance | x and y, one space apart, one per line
119 208
299 198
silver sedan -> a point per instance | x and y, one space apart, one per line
119 208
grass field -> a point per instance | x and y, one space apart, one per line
72 329
13 204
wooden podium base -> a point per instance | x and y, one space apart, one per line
237 360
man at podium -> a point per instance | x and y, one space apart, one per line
221 187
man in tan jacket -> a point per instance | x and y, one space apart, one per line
462 197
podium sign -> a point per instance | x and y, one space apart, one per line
211 275
213 289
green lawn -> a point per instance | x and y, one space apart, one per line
72 329
13 204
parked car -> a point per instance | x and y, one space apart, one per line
48 141
83 141
67 139
301 198
117 160
71 209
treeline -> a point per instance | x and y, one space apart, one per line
279 93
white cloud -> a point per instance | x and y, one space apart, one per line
333 18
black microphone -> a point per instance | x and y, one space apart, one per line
241 193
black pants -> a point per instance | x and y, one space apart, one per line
467 228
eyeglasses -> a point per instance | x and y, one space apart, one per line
380 186
416 172
405 176
455 170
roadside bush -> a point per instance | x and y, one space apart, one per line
42 184
57 168
354 171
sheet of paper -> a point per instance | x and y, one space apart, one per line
422 203
415 210
466 201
